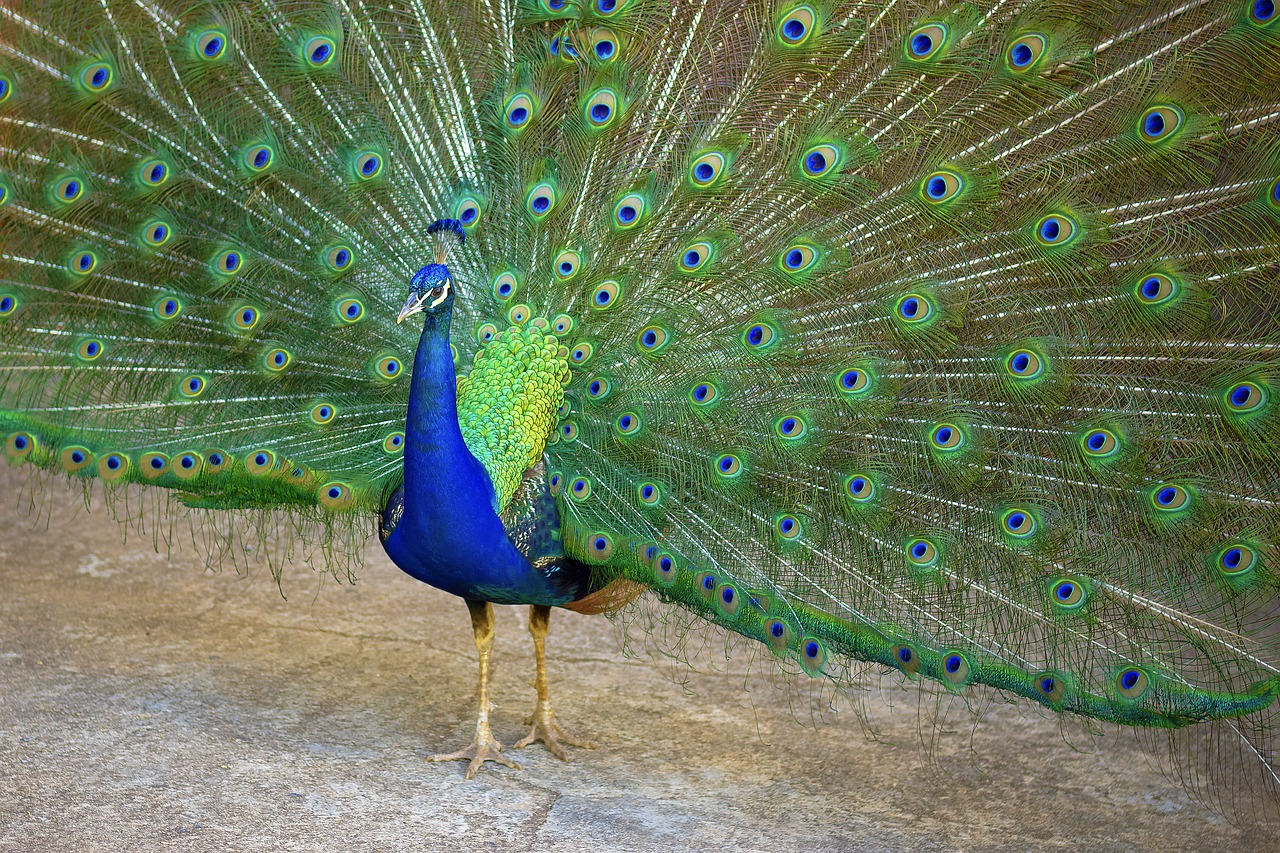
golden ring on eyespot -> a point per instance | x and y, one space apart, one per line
628 423
90 350
694 257
390 367
941 186
245 317
946 436
319 51
566 264
797 26
153 465
955 668
505 285
193 386
791 426
1099 442
1245 397
74 459
819 160
797 258
82 263
334 496
1024 364
486 332
1170 497
581 353
258 158
925 42
368 165
652 338
707 168
758 335
629 210
1055 229
1132 683
860 487
601 108
154 172
113 467
921 552
1159 122
259 462
606 295
1018 522
156 233
580 489
228 262
1025 52
728 465
813 655
703 393
518 315
338 258
349 310
211 44
186 465
97 76
323 413
518 111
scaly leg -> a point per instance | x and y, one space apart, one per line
545 728
484 747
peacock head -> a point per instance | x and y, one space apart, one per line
431 291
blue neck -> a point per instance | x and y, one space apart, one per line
450 534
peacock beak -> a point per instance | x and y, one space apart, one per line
412 305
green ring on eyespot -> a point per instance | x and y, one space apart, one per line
467 212
339 258
82 263
1025 52
68 189
168 307
486 332
277 359
601 109
921 553
90 350
1236 560
696 256
629 211
505 286
925 42
367 165
228 262
518 315
323 413
192 386
211 45
1100 442
955 668
258 158
580 488
1056 229
628 423
519 112
652 339
703 394
97 77
349 310
790 427
1024 364
1068 594
649 494
797 258
581 353
797 26
1156 289
1159 123
813 656
860 488
1170 497
390 367
947 436
728 466
1020 523
1245 397
540 201
245 317
154 172
819 161
788 527
707 169
393 443
1132 683
155 233
914 308
566 264
941 186
319 51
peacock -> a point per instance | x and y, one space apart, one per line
932 338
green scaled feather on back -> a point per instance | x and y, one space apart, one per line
938 337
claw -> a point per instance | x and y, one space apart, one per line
546 729
481 749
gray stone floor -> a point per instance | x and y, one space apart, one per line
145 703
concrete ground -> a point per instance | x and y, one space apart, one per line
147 704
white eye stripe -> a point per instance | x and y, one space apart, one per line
444 293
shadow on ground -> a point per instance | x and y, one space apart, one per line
145 702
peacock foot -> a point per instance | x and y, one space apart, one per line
481 749
546 729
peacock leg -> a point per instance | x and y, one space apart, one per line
483 748
545 728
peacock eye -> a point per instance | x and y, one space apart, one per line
437 291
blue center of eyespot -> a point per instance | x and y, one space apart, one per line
1151 288
650 338
905 655
261 159
114 463
788 524
726 464
921 44
727 595
1154 125
320 54
157 463
353 310
260 459
1016 520
215 459
187 462
625 422
71 190
341 258
594 388
606 5
692 258
393 367
325 412
1275 192
541 203
755 336
99 77
1129 679
1240 395
647 493
795 258
1263 10
910 307
953 664
194 384
566 267
1065 590
1232 558
812 649
157 173
1021 54
86 261
937 187
555 5
370 166
278 358
1050 230
20 442
850 379
793 29
789 425
170 307
248 316
159 233
777 629
943 435
857 485
232 261
1097 440
468 216
1047 685
1167 495
504 289
703 172
519 115
816 163
1021 362
6 304
601 543
709 582
604 49
919 549
627 213
77 456
212 46
92 349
